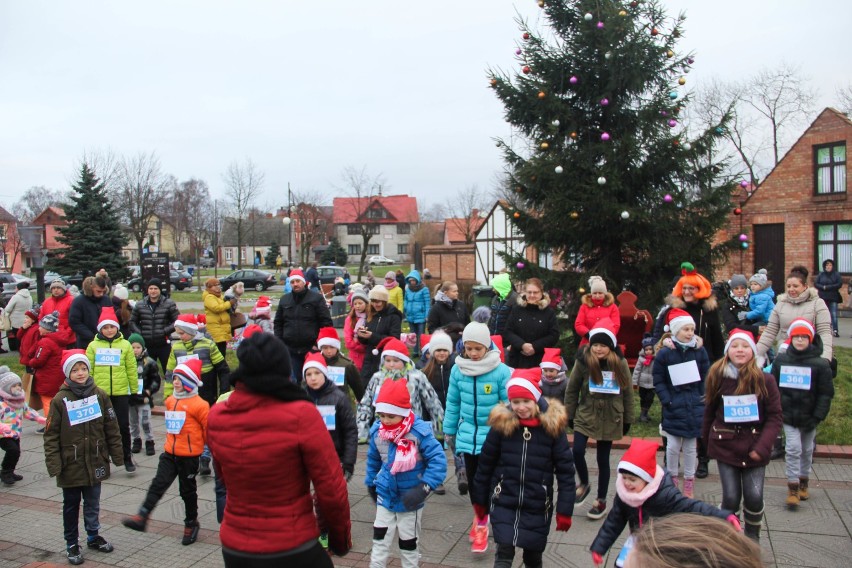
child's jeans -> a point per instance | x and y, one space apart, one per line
140 415
646 397
743 484
690 455
800 452
506 554
184 468
386 524
91 496
12 447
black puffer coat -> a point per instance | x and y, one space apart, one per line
707 325
828 285
386 323
806 408
299 318
500 310
442 314
683 405
345 433
530 323
729 309
154 322
515 475
439 378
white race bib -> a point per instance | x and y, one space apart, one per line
107 357
684 373
795 377
83 410
327 413
608 386
741 408
184 358
175 420
337 374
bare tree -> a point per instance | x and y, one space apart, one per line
465 210
434 213
187 210
310 222
35 200
243 183
844 99
363 189
139 192
108 167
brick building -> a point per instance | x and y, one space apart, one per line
800 214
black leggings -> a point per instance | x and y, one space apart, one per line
506 554
313 557
603 450
12 447
471 462
646 398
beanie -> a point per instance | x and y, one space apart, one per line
265 357
741 334
482 314
603 333
738 280
648 341
394 398
316 361
154 282
108 317
32 313
801 326
391 275
8 379
136 338
328 336
676 318
297 274
524 384
640 459
552 358
478 333
120 292
690 276
189 373
440 340
597 284
71 357
50 321
361 294
187 323
379 293
58 284
759 277
392 347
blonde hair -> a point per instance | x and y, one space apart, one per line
682 541
750 379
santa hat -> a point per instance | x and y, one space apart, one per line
394 398
108 317
189 373
328 336
690 276
640 459
71 357
201 320
603 333
676 318
741 334
801 326
187 323
552 358
297 274
250 330
524 384
424 342
262 304
392 347
316 361
497 340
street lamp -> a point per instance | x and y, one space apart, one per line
288 220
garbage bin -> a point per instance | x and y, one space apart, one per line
482 296
339 309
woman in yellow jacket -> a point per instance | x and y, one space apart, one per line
394 290
218 312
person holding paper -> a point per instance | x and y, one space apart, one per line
741 420
342 371
679 373
807 388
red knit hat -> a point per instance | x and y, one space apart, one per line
328 336
316 361
189 373
524 384
297 275
394 398
690 276
187 322
108 317
640 459
552 358
392 347
497 340
603 333
71 357
801 326
676 318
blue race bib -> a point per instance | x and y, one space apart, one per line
83 410
741 408
608 386
795 377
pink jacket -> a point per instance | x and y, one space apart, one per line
357 350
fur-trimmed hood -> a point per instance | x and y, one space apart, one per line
543 303
552 415
609 300
710 304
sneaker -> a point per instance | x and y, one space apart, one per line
129 466
472 531
136 522
480 539
204 466
74 554
7 479
99 543
689 488
17 477
836 333
137 446
149 448
323 540
440 490
190 533
598 510
583 491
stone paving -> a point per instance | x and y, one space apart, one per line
818 535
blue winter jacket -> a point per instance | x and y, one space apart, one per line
760 306
470 399
683 406
418 301
431 468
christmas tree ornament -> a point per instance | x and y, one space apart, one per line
558 169
625 215
720 130
545 145
681 81
675 142
744 184
526 69
743 237
581 290
687 146
738 211
634 4
672 95
690 61
541 3
744 245
601 180
622 13
664 113
672 123
516 215
605 137
669 53
573 135
520 265
600 25
588 17
573 80
604 102
555 122
493 82
519 51
608 55
574 214
654 31
668 198
541 94
526 35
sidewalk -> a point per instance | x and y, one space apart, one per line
818 535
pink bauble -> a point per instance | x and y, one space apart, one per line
668 198
672 123
573 80
600 25
604 101
518 51
743 184
743 237
605 136
520 265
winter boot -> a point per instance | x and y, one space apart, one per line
137 446
792 496
753 522
688 488
777 449
7 477
190 533
803 489
703 469
204 466
17 477
138 522
643 417
149 448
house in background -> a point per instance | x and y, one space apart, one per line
462 230
801 213
10 255
258 235
392 219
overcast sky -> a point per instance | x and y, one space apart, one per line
307 88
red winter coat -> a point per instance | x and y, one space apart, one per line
254 438
46 359
590 314
64 335
28 338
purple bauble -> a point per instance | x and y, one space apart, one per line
600 25
604 101
743 184
672 123
520 265
743 237
573 80
668 198
605 136
664 113
690 61
518 51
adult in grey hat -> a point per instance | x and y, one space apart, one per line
17 306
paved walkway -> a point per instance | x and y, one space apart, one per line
818 535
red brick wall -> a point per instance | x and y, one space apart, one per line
456 262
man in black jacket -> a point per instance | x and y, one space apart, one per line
154 319
298 319
86 309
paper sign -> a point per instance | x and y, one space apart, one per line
795 377
741 408
327 413
107 357
608 386
625 550
684 373
83 410
175 420
184 358
337 375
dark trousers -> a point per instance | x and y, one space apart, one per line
223 348
71 496
15 343
297 361
313 557
506 554
169 468
159 353
221 498
743 485
471 463
603 451
121 405
12 447
646 398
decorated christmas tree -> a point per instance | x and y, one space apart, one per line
600 169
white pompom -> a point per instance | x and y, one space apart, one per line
375 351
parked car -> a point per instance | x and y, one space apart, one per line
207 262
76 280
327 274
379 259
10 286
50 276
179 280
260 280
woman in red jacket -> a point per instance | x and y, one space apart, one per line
267 424
60 300
598 304
45 358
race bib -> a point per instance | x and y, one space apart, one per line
795 377
83 410
107 357
175 420
608 386
684 373
741 408
327 413
337 375
622 556
184 358
139 386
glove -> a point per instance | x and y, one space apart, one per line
735 522
571 423
741 316
340 545
626 428
373 494
597 558
347 474
481 511
450 442
415 496
563 522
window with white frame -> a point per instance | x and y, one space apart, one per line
834 241
830 168
353 249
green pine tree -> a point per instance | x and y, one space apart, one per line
601 170
272 254
335 253
93 238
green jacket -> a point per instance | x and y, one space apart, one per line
597 415
120 380
198 347
78 456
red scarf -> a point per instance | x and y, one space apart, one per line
406 449
598 303
648 360
529 422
